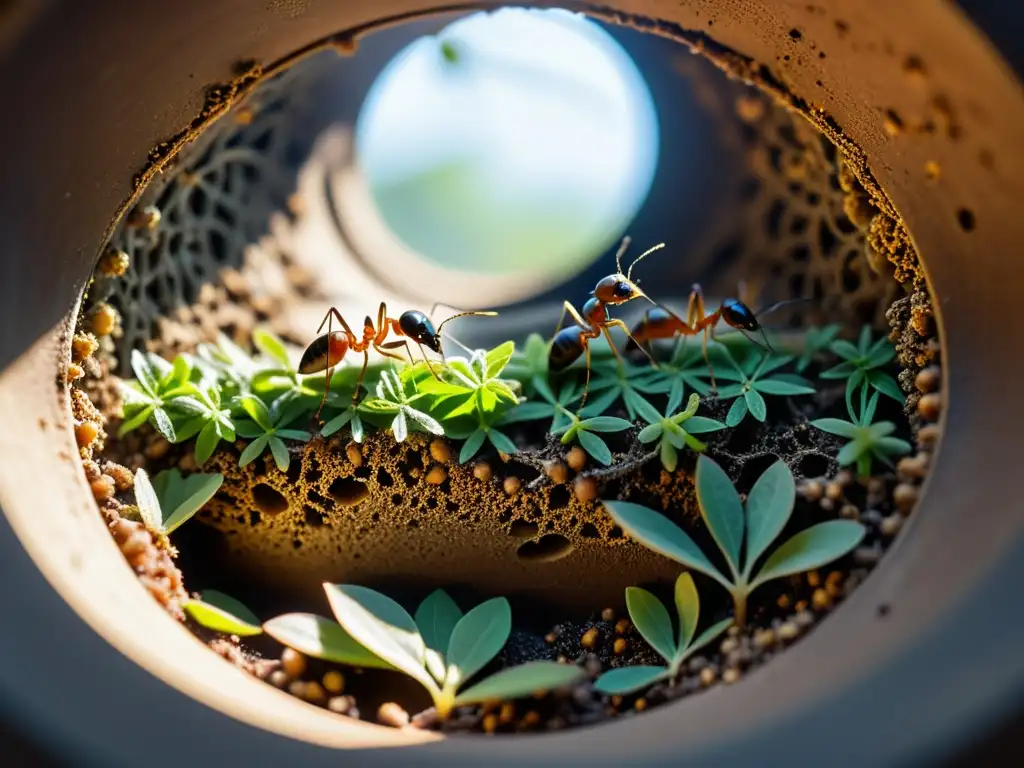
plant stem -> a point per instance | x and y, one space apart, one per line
739 602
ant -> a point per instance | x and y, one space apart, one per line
328 350
574 340
660 323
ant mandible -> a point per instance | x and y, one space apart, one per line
660 323
574 340
328 350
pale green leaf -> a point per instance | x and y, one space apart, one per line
626 680
836 427
755 404
650 433
400 427
812 548
652 621
147 501
270 345
253 451
498 358
524 680
321 638
206 442
737 412
501 441
668 455
886 384
688 608
476 639
850 452
769 505
182 496
224 614
257 411
782 387
595 446
280 453
721 508
436 617
163 424
144 372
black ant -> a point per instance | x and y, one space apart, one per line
572 341
660 323
328 350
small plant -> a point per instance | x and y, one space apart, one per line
867 441
221 613
206 418
613 382
768 509
529 365
584 431
267 429
393 400
863 364
685 366
279 383
652 621
171 499
441 648
151 395
555 408
816 341
671 433
753 382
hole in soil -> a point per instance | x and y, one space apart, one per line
523 529
347 491
546 549
268 500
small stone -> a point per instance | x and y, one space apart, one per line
490 723
440 451
314 693
789 630
904 496
436 475
927 380
74 372
390 713
507 713
813 579
827 504
619 647
608 615
104 320
340 704
849 512
804 619
622 626
124 480
585 489
86 432
297 688
334 681
913 467
293 663
355 454
482 471
834 491
640 705
593 667
729 645
764 638
821 600
590 638
550 638
530 720
278 678
708 675
113 263
512 485
929 407
616 701
784 602
928 435
730 676
891 525
557 471
813 490
867 555
576 458
102 488
801 605
83 346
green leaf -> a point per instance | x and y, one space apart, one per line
841 371
625 680
180 371
381 625
337 422
436 618
595 446
606 424
892 445
253 451
135 421
147 501
400 427
472 445
645 410
881 353
769 505
501 441
206 442
428 423
699 425
845 349
257 411
477 638
524 680
280 453
298 435
736 413
270 345
782 387
182 496
651 620
688 608
163 424
811 548
224 614
650 433
144 373
498 358
850 452
836 427
668 455
756 404
707 636
856 379
321 638
658 533
721 509
886 384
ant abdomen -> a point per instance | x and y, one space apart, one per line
324 352
566 348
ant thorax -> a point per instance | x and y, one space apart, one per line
594 311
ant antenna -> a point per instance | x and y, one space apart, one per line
648 252
780 304
767 344
465 314
622 250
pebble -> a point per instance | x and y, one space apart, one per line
585 489
813 490
590 637
113 263
928 436
482 471
104 320
804 619
764 638
355 454
293 663
507 713
640 705
278 678
608 614
913 467
341 704
813 579
927 380
849 512
390 713
530 720
622 626
512 485
102 488
904 496
576 458
789 630
730 676
490 723
86 432
557 471
821 600
930 406
314 693
834 491
697 663
334 681
297 688
784 602
619 647
440 451
891 525
844 477
729 645
867 555
437 475
708 675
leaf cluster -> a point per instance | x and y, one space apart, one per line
863 365
675 430
868 441
441 648
170 499
743 533
754 378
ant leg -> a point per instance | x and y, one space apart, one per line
622 325
362 373
330 368
332 312
586 379
611 343
408 351
708 331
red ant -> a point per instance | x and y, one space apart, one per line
328 350
572 341
660 323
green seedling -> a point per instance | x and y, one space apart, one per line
816 341
267 429
652 621
204 416
395 401
674 430
753 380
584 431
151 396
868 441
863 366
170 499
743 534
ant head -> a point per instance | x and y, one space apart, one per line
616 289
739 315
417 326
